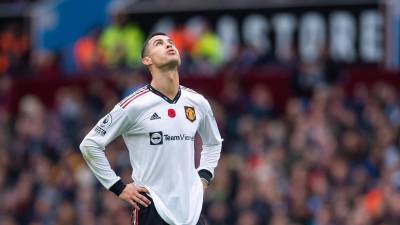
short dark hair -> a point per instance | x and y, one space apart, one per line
147 41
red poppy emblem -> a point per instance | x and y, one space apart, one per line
171 113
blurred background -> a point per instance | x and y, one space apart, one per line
306 94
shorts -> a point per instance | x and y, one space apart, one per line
149 216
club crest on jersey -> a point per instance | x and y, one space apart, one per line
190 113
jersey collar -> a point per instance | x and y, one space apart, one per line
171 101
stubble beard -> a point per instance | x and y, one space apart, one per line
171 64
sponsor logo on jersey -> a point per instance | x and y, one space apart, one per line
156 138
190 113
181 137
155 116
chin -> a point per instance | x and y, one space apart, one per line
174 62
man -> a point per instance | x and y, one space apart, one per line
158 124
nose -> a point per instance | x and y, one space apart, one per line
169 45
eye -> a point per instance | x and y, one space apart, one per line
158 43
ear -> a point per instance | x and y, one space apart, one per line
147 61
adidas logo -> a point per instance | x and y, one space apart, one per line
155 117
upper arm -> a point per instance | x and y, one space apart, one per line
108 128
208 128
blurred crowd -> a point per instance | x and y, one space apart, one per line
327 158
331 159
119 45
324 157
14 48
116 46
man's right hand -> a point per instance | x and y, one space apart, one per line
132 195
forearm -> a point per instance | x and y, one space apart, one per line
209 160
97 161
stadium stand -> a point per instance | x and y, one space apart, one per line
304 143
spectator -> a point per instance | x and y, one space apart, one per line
207 51
87 53
14 48
121 43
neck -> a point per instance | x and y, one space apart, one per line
166 82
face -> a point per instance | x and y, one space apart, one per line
161 52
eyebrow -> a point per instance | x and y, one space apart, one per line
155 41
160 39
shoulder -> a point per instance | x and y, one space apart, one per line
195 96
135 98
190 93
183 88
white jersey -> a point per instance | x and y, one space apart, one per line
159 134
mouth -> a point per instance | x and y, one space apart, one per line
171 52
